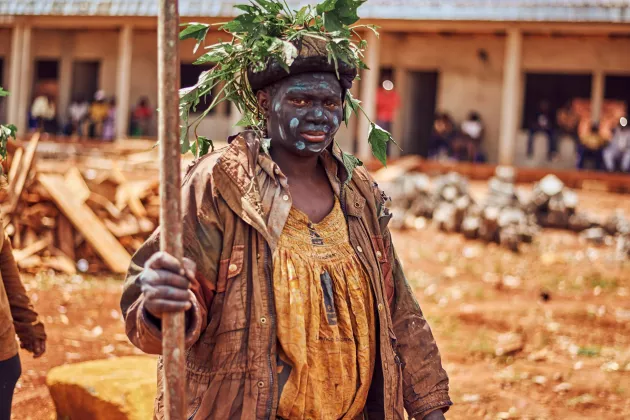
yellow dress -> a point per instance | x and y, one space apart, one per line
326 322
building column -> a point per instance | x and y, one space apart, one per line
25 85
369 88
15 73
401 82
123 82
65 77
597 94
511 97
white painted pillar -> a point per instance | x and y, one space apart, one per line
597 95
401 86
14 74
511 97
26 83
65 77
123 82
369 87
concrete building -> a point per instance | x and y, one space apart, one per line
499 58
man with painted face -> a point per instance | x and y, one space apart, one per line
296 303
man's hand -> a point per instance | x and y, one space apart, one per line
165 284
37 346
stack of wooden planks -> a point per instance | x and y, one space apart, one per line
72 218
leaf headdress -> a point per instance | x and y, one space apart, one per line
267 33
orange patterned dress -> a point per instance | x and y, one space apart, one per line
326 321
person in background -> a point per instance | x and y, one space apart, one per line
567 121
141 118
442 136
17 316
467 146
109 125
77 113
590 149
98 114
387 103
542 123
44 112
618 151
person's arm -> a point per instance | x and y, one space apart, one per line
27 325
425 382
150 275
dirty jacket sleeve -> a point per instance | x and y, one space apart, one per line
202 239
25 320
425 382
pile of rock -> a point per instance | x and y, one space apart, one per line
503 216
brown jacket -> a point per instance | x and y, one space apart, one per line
16 312
235 204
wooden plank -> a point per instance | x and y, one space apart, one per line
22 173
21 254
76 183
65 236
104 203
16 162
85 221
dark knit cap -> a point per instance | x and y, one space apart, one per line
312 58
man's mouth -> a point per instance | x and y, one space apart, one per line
314 136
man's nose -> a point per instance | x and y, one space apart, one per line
316 114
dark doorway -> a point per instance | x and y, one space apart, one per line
423 90
46 77
617 87
555 88
85 76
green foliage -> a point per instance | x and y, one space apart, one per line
6 132
350 162
268 30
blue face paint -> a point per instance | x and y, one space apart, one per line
277 107
336 120
294 123
318 113
324 85
300 145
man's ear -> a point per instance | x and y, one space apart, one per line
263 102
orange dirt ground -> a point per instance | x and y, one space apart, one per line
575 363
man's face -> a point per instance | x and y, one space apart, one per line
304 113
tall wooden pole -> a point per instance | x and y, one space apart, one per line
173 325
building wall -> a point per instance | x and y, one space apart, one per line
465 82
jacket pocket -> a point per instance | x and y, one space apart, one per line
231 292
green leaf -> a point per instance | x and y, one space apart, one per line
289 53
326 6
350 162
202 146
350 105
3 92
214 56
196 31
378 138
244 122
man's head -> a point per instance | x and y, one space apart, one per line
303 112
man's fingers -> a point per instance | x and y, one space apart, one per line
161 306
166 293
166 278
163 261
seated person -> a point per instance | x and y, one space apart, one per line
618 151
45 113
141 118
98 114
590 148
467 145
567 123
541 124
77 113
442 136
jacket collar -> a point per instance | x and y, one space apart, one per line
235 178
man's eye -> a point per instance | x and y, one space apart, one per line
331 105
298 102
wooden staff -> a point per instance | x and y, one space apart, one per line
173 325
